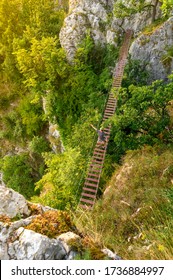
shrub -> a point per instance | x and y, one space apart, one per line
17 174
52 223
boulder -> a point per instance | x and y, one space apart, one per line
65 238
7 233
30 245
12 203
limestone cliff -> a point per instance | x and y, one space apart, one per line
97 17
153 48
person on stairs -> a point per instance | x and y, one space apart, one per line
102 140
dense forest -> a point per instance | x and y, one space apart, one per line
39 87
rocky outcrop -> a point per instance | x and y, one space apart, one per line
7 234
153 48
53 135
97 17
18 242
55 139
30 245
83 15
12 203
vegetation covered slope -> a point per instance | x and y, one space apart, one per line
135 216
34 68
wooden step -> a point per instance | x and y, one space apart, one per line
108 114
109 111
113 110
95 170
95 161
94 175
101 161
107 133
99 157
87 201
99 150
91 185
105 118
89 190
95 166
91 179
99 154
88 195
116 86
112 103
117 82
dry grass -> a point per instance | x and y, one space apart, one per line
135 217
52 223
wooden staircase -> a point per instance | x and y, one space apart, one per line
92 180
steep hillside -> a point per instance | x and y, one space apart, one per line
135 215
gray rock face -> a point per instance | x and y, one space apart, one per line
152 48
30 245
84 15
18 243
64 239
12 203
97 17
7 233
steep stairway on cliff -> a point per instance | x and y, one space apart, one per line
91 184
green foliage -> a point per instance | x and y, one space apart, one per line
17 174
167 7
168 58
42 64
22 22
38 145
88 78
143 116
128 9
122 10
29 56
43 73
59 184
135 73
31 115
24 121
